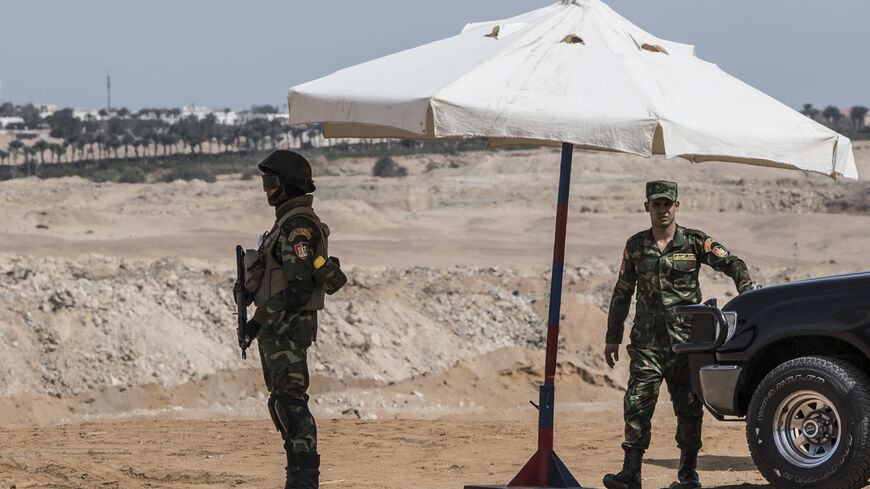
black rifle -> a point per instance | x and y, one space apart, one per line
241 296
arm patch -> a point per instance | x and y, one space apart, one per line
301 250
299 232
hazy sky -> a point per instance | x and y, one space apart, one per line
222 53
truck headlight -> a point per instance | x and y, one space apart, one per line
731 323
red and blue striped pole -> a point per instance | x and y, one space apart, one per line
544 469
552 472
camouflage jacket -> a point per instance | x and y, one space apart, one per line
295 250
665 279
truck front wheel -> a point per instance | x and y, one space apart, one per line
808 425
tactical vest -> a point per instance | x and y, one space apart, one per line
269 279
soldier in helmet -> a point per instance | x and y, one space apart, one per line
287 300
662 263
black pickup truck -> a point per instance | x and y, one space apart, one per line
793 362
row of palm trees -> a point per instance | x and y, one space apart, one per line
143 135
833 117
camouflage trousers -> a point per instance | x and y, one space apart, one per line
283 348
649 366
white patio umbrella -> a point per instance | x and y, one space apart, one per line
573 73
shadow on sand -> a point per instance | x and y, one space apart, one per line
715 463
745 485
710 462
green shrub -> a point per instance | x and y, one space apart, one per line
107 175
250 174
198 172
132 175
387 167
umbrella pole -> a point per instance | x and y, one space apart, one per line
545 469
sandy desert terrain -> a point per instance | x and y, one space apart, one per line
117 340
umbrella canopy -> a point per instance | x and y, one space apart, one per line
573 72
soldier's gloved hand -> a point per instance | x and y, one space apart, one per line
611 354
252 327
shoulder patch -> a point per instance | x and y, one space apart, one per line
301 250
720 251
299 232
708 245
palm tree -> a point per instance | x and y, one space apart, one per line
810 111
102 141
832 115
128 140
3 156
83 142
857 114
138 143
114 143
28 159
15 145
228 138
41 146
58 150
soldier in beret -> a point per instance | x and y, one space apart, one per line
287 300
662 263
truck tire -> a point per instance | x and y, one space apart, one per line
808 425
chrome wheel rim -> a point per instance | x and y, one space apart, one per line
806 429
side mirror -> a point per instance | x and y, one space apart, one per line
719 325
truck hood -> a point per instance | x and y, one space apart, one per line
751 303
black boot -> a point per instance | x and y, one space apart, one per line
309 473
629 476
687 473
292 471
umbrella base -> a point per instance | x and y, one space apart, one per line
558 476
522 487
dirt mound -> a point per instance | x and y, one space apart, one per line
70 326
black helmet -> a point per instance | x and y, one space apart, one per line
292 169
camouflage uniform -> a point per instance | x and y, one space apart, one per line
285 334
664 279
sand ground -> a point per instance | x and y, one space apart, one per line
382 454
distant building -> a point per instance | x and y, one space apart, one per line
84 114
46 110
193 111
247 116
11 121
228 117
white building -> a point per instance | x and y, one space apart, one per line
46 110
84 114
8 121
229 117
246 116
193 111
